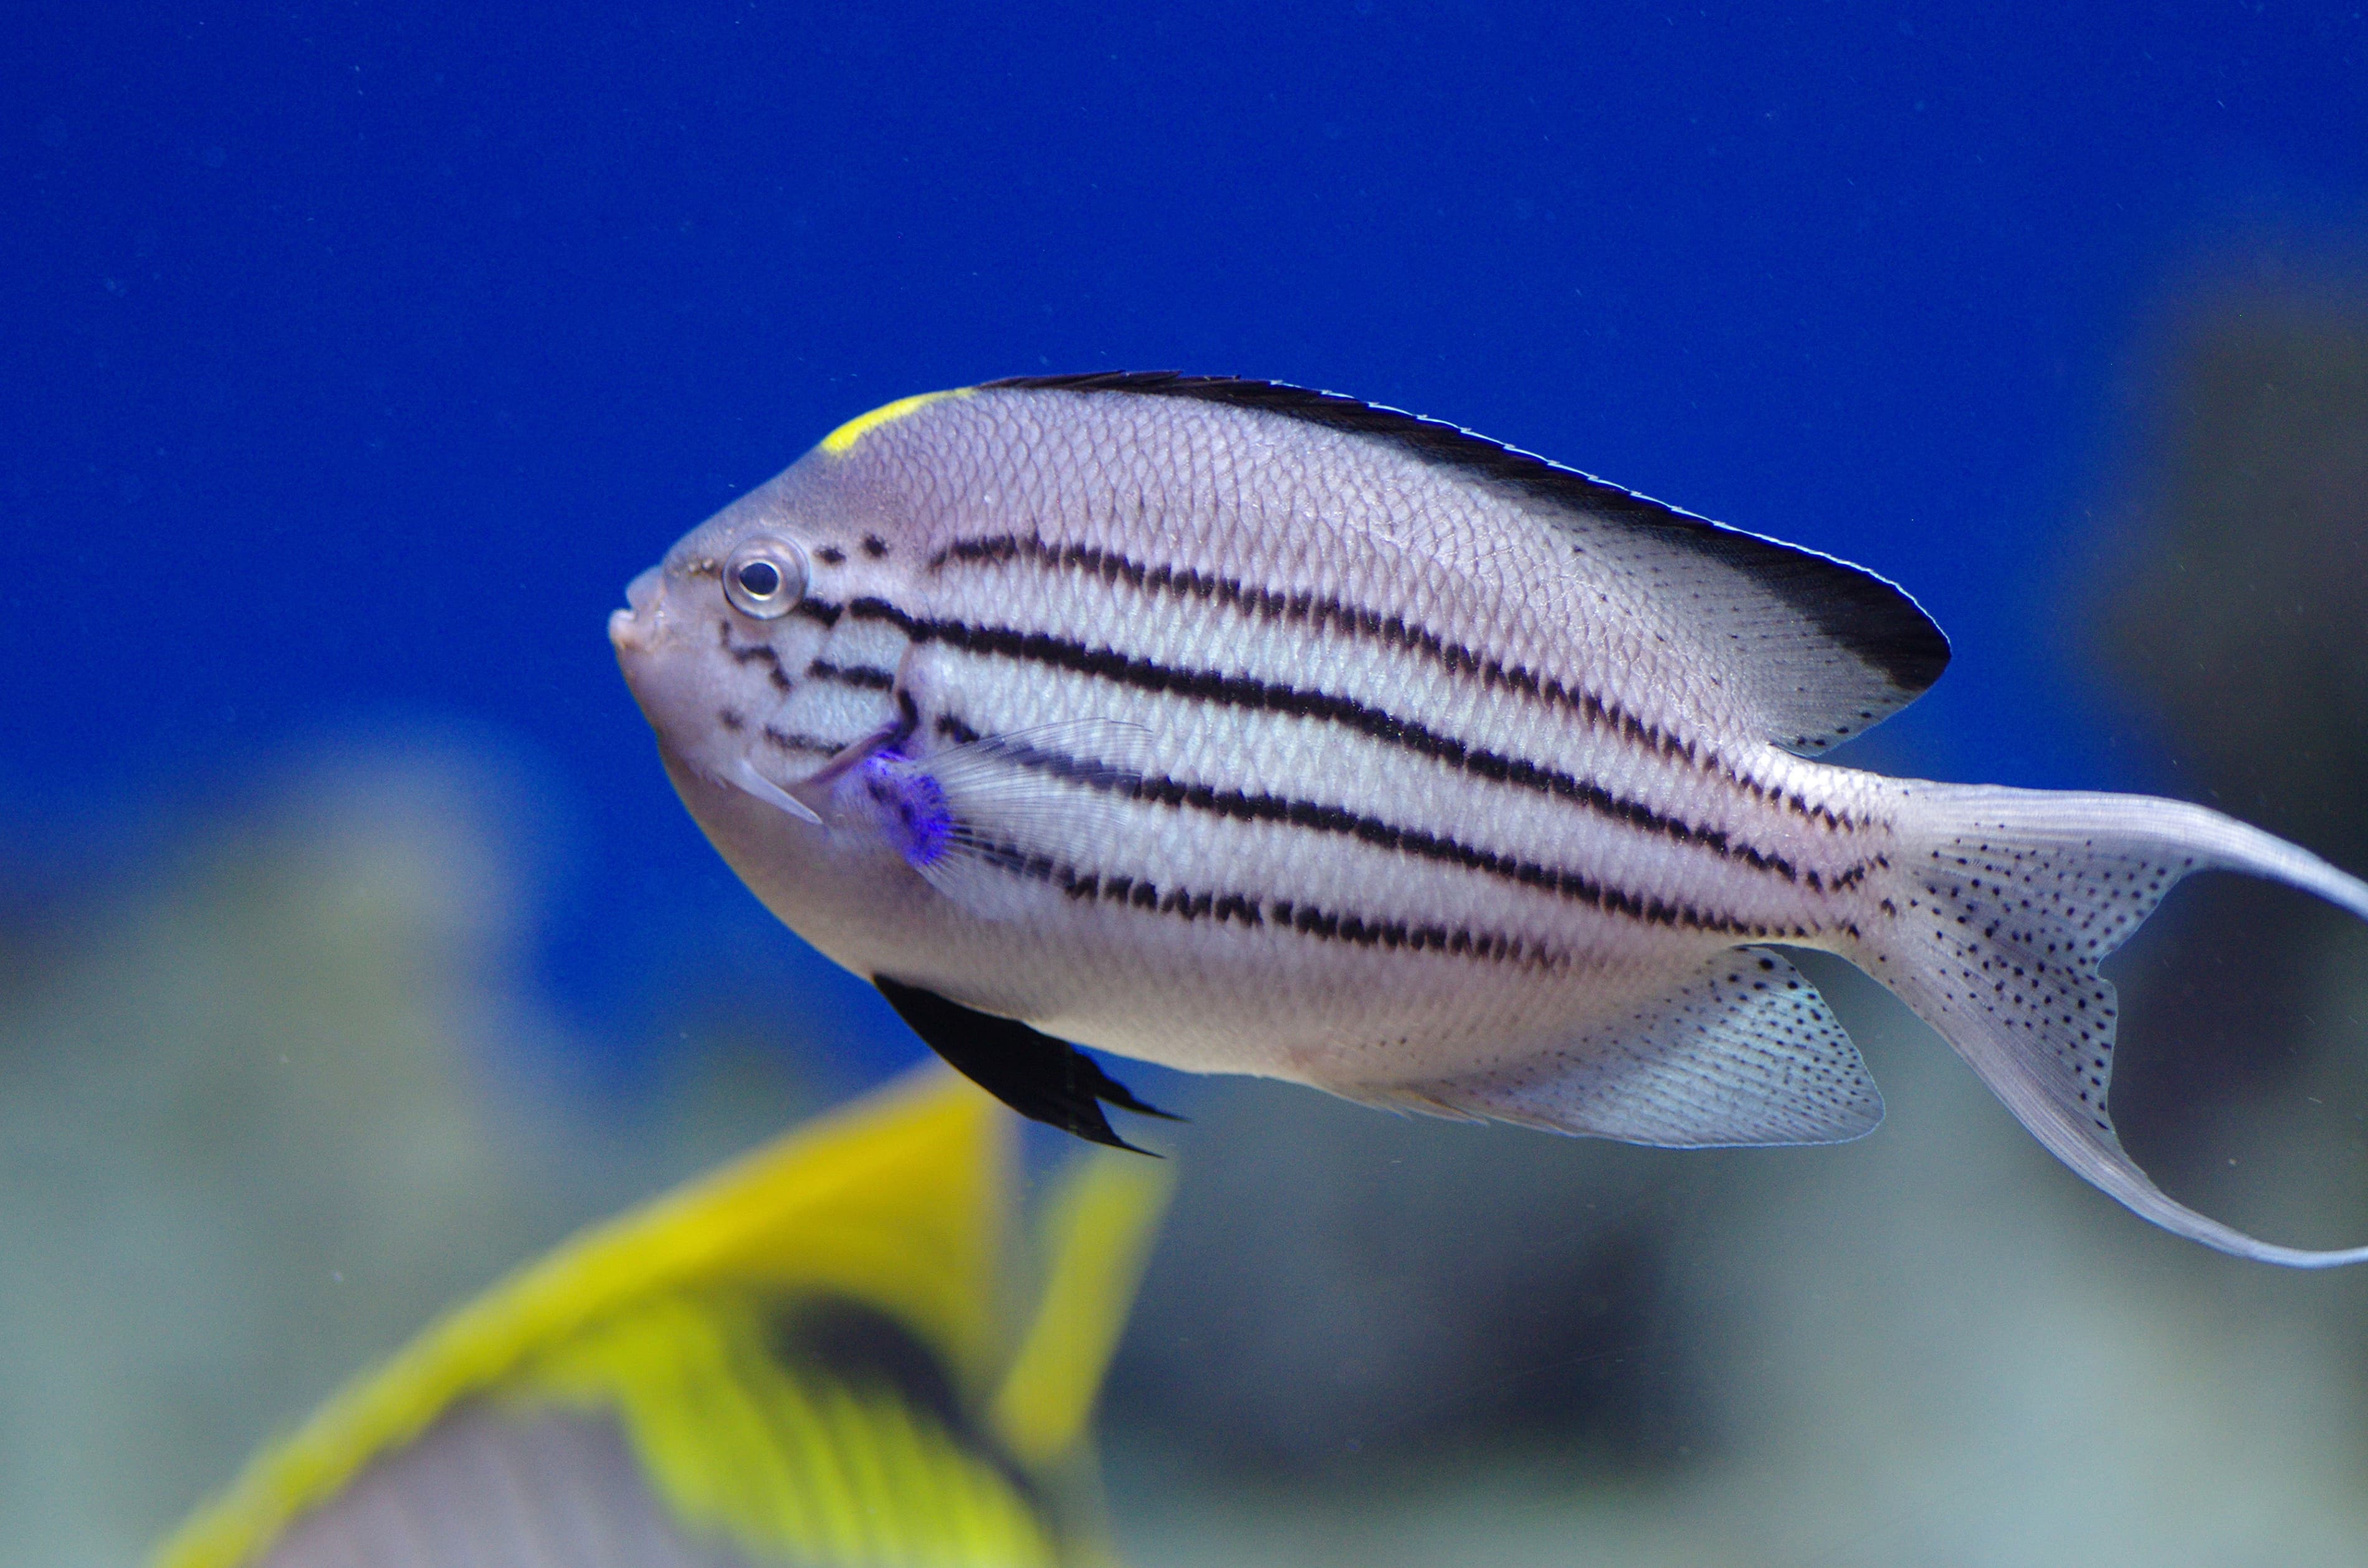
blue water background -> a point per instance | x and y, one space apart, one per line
357 355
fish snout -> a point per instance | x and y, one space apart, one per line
636 629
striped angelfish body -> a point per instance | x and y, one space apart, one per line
1248 729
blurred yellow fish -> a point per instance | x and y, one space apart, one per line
805 1359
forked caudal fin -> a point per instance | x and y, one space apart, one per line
2006 904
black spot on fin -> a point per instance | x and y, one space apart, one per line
1871 619
869 1353
862 1346
1043 1079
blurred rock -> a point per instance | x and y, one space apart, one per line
2242 624
1336 1280
2236 618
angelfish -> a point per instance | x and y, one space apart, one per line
1250 729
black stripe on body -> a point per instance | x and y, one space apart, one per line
746 653
863 677
783 739
1329 612
1240 805
1304 606
1258 911
1263 695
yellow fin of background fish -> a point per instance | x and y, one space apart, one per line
1098 1233
672 1322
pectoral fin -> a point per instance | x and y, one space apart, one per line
987 820
1043 1079
1745 1052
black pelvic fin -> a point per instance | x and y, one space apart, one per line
1043 1079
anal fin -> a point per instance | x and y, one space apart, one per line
1043 1079
1743 1052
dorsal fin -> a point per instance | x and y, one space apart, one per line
1837 648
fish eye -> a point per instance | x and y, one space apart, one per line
765 578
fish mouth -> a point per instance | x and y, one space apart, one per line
635 628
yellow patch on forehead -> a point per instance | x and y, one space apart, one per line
839 442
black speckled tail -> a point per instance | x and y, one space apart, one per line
1993 932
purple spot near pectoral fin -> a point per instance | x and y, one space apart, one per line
970 816
911 808
931 822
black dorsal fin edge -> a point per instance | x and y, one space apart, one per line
1876 619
